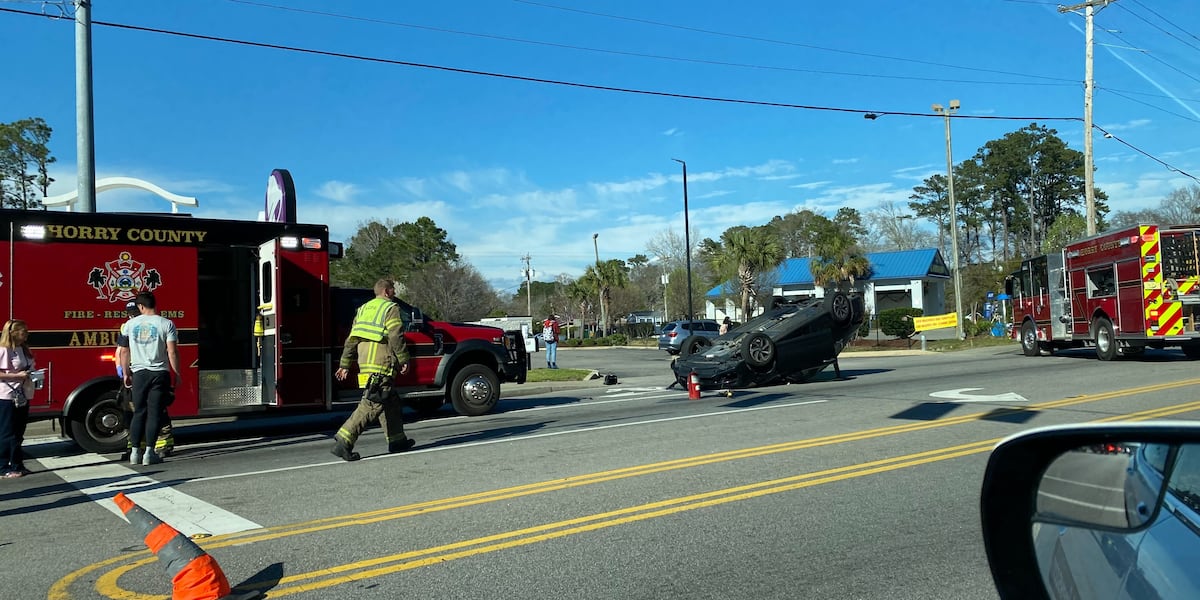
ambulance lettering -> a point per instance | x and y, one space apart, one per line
120 280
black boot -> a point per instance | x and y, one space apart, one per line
344 452
401 446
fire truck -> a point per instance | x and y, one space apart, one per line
260 327
1119 292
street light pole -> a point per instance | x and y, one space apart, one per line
603 309
947 111
687 244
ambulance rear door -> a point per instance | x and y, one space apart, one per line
293 302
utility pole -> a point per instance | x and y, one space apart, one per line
687 246
947 111
85 138
1089 158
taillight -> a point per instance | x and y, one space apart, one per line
672 334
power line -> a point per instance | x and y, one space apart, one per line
1109 135
788 43
1150 94
1168 21
1152 56
1156 26
591 86
635 54
871 114
1154 106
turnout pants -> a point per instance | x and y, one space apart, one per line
383 404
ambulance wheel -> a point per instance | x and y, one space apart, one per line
475 391
1029 341
426 407
1106 340
99 426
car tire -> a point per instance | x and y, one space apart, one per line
475 391
1029 341
1106 340
840 309
693 344
758 350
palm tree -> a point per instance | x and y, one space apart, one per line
579 292
837 258
745 254
604 278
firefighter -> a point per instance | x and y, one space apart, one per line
376 343
164 445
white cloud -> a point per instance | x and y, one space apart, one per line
844 161
338 191
674 131
812 185
714 194
918 173
1126 126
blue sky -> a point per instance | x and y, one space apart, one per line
511 167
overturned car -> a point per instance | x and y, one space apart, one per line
791 342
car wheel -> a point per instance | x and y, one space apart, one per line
693 344
1106 340
475 390
840 309
1029 341
758 350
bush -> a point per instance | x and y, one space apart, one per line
865 329
898 322
616 339
978 327
589 341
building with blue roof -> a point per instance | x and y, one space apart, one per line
903 278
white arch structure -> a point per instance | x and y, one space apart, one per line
113 183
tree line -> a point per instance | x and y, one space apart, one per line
1016 196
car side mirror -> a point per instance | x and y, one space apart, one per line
416 320
1093 511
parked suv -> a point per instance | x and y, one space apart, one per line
673 333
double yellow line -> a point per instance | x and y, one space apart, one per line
107 583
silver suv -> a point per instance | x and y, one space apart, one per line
671 336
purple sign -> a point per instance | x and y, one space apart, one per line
281 197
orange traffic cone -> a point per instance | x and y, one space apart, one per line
194 574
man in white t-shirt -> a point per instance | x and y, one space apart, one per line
153 344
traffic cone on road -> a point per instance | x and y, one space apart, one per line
194 574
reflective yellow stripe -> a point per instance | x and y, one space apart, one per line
369 323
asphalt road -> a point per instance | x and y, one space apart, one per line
865 487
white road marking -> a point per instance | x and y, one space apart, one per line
722 413
959 396
100 479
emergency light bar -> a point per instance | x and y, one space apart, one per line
33 232
290 243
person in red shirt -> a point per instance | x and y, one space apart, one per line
550 336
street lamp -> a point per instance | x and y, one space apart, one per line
600 285
938 108
687 243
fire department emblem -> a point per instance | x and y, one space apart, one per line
120 280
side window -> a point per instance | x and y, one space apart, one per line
1185 477
1101 282
685 326
1156 455
712 327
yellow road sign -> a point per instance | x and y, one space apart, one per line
935 322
